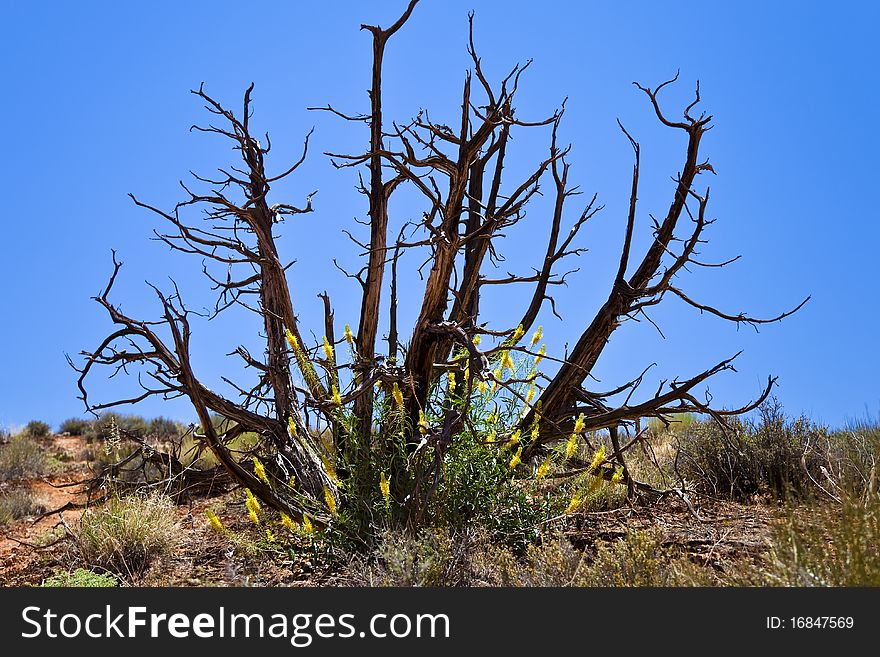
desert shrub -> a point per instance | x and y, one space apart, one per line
163 428
108 425
769 455
18 503
75 426
80 578
828 545
22 457
37 429
127 533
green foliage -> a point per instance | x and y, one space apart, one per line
18 503
127 533
80 578
22 457
75 426
37 429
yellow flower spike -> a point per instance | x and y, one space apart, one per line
349 336
216 525
579 424
490 437
289 524
270 536
571 446
252 506
260 471
482 387
330 470
514 439
384 486
328 350
507 361
423 422
335 397
575 503
518 333
595 484
291 427
494 387
530 395
598 458
477 340
536 338
536 431
544 468
516 460
307 525
467 370
330 500
541 353
291 340
451 382
397 395
292 482
617 477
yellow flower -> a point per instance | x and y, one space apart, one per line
259 470
490 437
575 503
307 524
536 338
541 353
328 350
477 340
516 460
467 370
514 439
482 387
595 484
598 458
330 500
423 422
291 427
397 395
216 525
530 395
571 446
518 333
289 524
349 336
506 361
579 424
536 430
253 506
291 340
336 398
384 485
329 469
292 482
544 468
617 477
270 536
451 382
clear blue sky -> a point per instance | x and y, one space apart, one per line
96 104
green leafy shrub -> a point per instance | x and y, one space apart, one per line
80 578
22 457
18 503
127 533
75 426
37 429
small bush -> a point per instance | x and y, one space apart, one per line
80 578
771 456
162 428
37 429
75 426
17 503
127 533
22 457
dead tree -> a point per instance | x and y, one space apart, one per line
469 202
